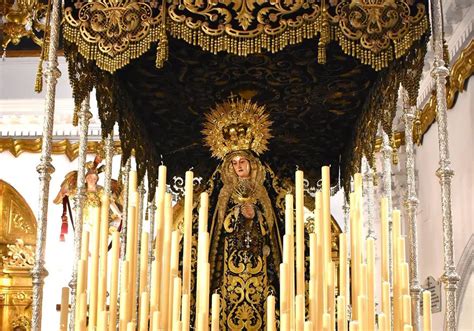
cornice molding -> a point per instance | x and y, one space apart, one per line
461 72
59 147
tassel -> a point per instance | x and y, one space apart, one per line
64 225
321 53
162 50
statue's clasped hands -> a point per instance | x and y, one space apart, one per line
248 210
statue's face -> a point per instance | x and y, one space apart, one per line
91 180
241 166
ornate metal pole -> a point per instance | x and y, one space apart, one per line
141 200
387 192
84 118
151 215
411 205
346 209
369 189
45 169
109 154
123 234
450 277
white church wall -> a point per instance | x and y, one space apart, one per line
430 231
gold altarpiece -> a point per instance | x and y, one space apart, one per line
17 242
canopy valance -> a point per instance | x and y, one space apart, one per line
113 32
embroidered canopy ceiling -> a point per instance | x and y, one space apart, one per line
327 72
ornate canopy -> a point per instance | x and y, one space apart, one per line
327 73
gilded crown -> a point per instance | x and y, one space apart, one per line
236 125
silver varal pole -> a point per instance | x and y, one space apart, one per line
109 154
84 118
141 214
412 205
45 169
123 233
450 277
151 217
368 176
387 192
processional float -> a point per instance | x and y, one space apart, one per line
162 299
328 295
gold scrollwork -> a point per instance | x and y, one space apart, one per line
19 256
246 26
112 32
376 31
244 287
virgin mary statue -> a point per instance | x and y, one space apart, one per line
245 216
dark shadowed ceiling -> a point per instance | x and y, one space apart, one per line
313 107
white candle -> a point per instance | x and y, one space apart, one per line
188 218
94 274
342 264
176 301
284 322
203 212
299 202
341 314
289 210
186 305
300 312
383 322
271 321
102 320
215 312
370 284
144 309
386 305
354 326
143 262
64 309
427 311
165 262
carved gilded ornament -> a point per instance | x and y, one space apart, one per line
378 31
23 19
114 32
18 220
19 256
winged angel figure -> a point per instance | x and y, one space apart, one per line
93 195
